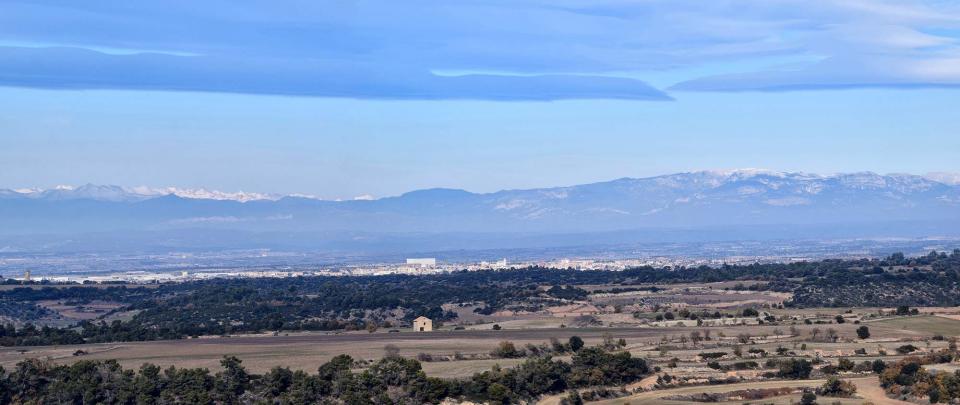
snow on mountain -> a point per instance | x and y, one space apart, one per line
748 197
944 177
204 194
132 194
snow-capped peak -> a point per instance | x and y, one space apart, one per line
204 194
944 177
745 172
138 193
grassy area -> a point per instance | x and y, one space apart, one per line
928 324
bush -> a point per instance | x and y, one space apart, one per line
795 368
712 355
835 387
905 349
575 343
863 332
506 350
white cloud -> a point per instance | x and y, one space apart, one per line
541 50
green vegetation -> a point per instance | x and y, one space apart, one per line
392 379
798 369
227 306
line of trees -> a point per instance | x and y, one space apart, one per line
393 379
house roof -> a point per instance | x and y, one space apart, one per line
421 318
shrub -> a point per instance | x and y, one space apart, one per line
506 350
905 349
575 343
795 369
713 355
835 387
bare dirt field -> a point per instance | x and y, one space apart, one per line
705 318
939 325
92 310
308 351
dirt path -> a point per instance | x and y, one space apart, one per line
869 389
647 383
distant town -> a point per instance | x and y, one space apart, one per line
411 266
189 266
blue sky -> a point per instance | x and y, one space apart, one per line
339 99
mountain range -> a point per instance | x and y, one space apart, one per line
851 205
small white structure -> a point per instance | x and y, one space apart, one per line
422 324
423 262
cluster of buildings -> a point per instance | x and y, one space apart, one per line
411 266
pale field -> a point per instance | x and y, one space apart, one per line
309 350
947 367
89 311
716 286
938 325
868 389
306 351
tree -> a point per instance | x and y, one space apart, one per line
573 398
391 350
506 350
695 337
795 368
232 381
575 342
808 398
863 332
499 393
878 366
835 387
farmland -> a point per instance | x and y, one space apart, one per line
682 338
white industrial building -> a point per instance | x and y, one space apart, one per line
424 261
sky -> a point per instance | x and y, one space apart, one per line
348 98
